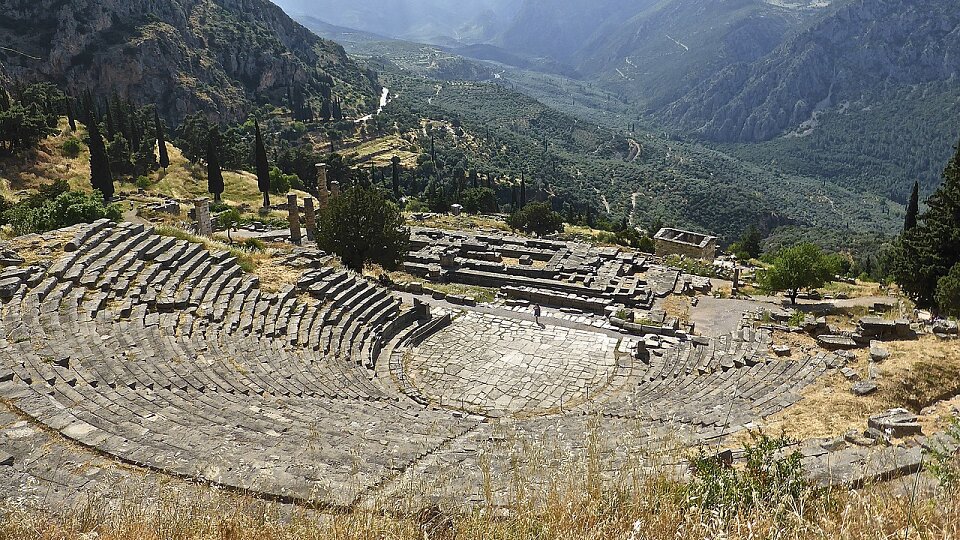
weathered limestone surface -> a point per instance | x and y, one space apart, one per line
119 346
488 364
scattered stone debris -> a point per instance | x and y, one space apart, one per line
877 352
782 350
884 329
850 374
832 342
864 388
896 423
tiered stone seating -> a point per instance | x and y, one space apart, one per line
722 383
161 354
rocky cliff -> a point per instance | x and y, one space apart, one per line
216 56
856 53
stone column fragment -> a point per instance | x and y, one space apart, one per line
202 215
293 212
322 192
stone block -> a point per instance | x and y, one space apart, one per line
896 423
850 374
863 388
877 352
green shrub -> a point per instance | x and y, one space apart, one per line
281 183
71 147
38 214
414 204
770 478
536 218
945 465
254 244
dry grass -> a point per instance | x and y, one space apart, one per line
480 294
577 507
381 150
44 164
510 261
678 307
916 375
35 248
274 276
860 289
249 260
463 222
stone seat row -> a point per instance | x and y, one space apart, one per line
733 396
220 384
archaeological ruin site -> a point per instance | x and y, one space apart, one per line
129 357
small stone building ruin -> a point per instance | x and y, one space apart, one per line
686 243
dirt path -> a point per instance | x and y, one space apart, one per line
635 150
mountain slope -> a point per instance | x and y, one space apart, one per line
215 56
431 21
862 51
663 51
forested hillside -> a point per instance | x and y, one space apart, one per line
585 168
862 53
215 56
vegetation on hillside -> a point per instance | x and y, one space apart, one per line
55 206
926 258
803 266
362 226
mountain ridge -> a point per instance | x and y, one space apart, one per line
224 55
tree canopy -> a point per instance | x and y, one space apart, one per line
927 252
803 266
262 167
948 292
214 173
362 226
54 206
24 122
536 218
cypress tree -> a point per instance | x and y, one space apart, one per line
161 141
4 100
396 176
926 253
70 117
523 191
100 176
214 174
263 168
513 196
111 130
433 149
913 208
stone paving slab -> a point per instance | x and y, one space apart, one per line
490 364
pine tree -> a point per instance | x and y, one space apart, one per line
263 168
214 174
100 176
913 208
4 100
161 141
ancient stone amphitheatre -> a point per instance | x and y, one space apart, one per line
127 356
